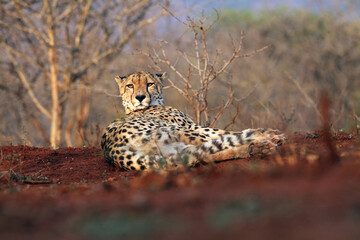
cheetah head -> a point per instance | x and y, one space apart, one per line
141 90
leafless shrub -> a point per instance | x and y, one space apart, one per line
198 68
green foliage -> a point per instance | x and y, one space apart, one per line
250 208
312 135
231 18
232 211
128 225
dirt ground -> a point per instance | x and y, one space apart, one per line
310 190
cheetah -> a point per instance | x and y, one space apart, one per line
153 136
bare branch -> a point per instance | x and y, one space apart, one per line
128 9
224 107
122 42
305 95
26 84
250 54
40 36
185 56
23 56
80 26
232 122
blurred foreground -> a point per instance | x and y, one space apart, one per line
72 193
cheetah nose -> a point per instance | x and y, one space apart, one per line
140 97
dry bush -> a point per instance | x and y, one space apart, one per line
197 69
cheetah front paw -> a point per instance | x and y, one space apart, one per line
275 136
279 140
262 148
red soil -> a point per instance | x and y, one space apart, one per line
308 191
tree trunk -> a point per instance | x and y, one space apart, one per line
55 107
55 129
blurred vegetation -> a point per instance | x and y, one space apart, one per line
309 52
318 51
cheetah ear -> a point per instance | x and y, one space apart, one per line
162 76
120 79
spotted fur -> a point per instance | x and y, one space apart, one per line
154 136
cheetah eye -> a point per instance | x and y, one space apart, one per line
130 86
150 84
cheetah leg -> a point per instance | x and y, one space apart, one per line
127 159
160 157
272 135
199 135
224 145
248 143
